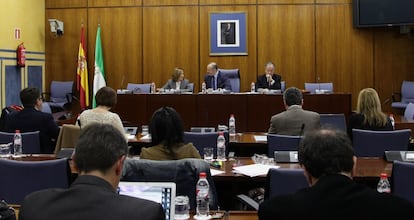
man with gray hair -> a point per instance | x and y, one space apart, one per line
295 120
214 79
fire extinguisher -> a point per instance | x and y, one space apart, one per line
21 55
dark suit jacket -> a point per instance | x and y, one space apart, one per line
336 197
89 197
171 84
222 81
30 119
263 84
357 121
290 121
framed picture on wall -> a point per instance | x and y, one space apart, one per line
228 33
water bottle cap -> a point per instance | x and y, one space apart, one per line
202 175
221 133
384 175
17 131
231 115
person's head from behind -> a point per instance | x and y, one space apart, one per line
166 127
31 97
178 74
368 101
269 68
101 149
326 151
106 96
292 96
212 69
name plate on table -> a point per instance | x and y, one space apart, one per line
407 156
286 156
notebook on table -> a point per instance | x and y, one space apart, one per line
160 192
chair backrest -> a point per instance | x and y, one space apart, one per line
190 87
205 139
368 143
282 86
278 142
138 88
184 173
336 121
402 179
60 91
30 141
46 108
284 181
234 77
68 137
312 87
23 177
407 91
409 111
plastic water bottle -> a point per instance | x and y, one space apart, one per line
202 198
221 147
203 88
152 87
252 87
17 143
392 121
383 184
232 125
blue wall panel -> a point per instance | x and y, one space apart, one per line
13 85
34 78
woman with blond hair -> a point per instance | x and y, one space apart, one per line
369 115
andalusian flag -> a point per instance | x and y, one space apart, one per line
99 78
82 74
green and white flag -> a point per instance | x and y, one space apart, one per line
99 77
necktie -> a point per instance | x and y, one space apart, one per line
213 83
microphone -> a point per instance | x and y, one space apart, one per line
122 81
302 128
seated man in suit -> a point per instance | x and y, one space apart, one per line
295 120
328 160
177 81
268 81
31 118
93 195
214 79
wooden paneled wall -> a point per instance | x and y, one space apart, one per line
308 40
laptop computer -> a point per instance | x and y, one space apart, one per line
160 192
406 156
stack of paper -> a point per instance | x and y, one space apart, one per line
253 170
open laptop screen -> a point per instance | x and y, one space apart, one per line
160 192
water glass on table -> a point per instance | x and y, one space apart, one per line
208 153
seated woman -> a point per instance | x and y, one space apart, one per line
177 81
369 115
167 132
105 99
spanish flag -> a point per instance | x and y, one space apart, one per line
82 74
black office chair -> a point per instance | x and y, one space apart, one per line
278 181
30 141
402 179
20 178
234 77
205 139
368 143
184 173
278 142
